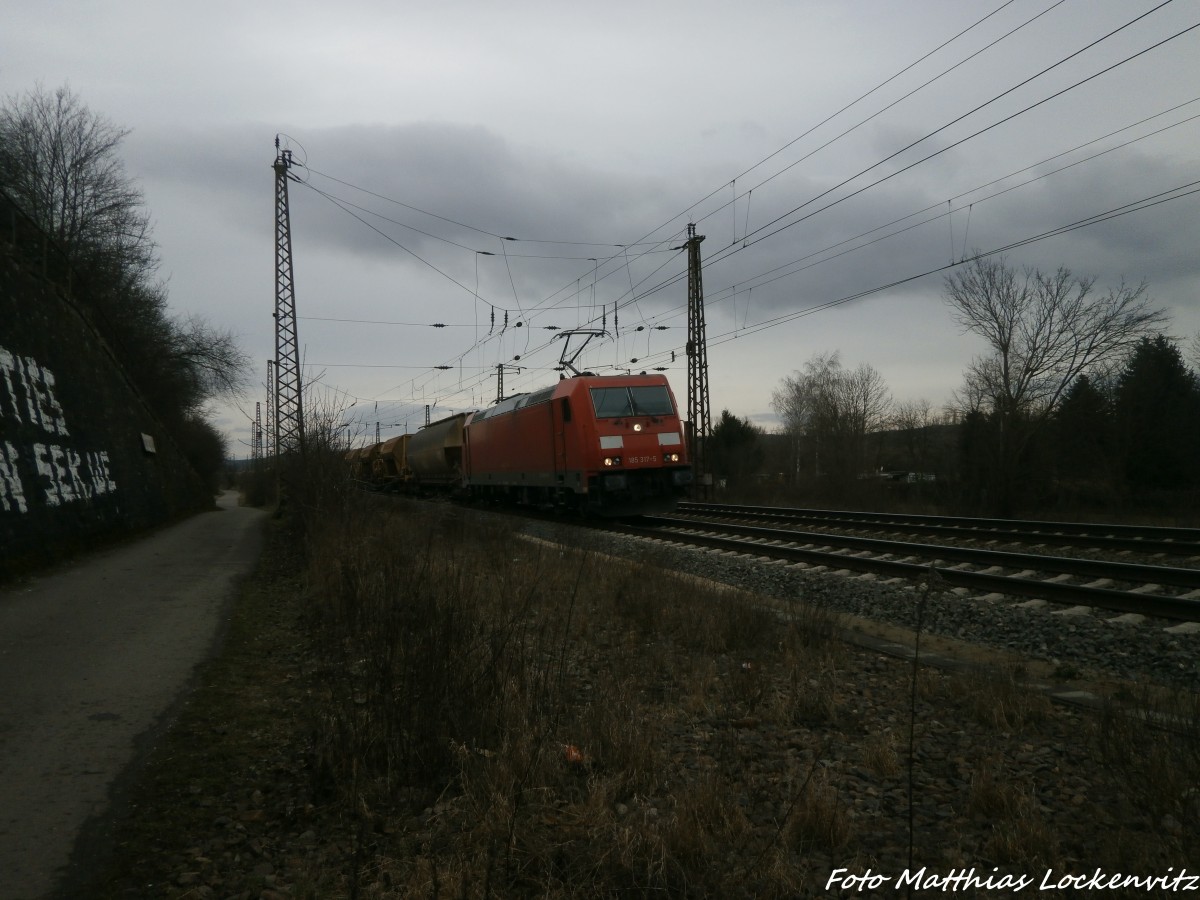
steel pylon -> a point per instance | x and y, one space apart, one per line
289 405
699 416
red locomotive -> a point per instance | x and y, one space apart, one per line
608 445
612 445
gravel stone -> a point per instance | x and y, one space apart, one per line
1102 642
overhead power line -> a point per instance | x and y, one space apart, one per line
1176 193
730 250
622 246
633 295
969 137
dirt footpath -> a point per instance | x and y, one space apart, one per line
93 658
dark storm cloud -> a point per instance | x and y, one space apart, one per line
473 176
391 194
1151 245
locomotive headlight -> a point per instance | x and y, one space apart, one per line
637 426
670 457
612 460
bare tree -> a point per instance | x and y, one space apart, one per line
1042 332
212 355
60 163
830 411
798 399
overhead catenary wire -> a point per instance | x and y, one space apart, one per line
865 95
1177 193
1127 208
624 247
475 228
715 296
725 252
633 296
831 117
911 93
975 134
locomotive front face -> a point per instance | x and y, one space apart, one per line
641 458
637 426
606 444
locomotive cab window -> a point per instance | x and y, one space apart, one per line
646 400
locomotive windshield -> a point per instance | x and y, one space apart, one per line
647 400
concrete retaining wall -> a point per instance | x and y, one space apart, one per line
81 456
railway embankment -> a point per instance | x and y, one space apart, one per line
1077 641
426 702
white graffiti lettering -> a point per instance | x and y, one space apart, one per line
43 458
65 474
49 408
101 476
68 477
8 366
25 380
12 492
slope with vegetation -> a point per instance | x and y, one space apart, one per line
60 164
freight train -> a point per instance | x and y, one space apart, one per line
608 445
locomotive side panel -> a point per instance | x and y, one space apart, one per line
513 445
570 438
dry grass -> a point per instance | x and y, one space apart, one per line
1024 838
879 754
488 716
1154 740
999 701
819 820
542 691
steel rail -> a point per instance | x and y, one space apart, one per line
1137 538
1019 585
1134 573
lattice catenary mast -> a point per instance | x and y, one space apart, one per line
500 367
697 354
270 437
289 409
256 442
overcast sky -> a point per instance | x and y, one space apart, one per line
824 150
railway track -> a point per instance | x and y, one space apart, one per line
1159 591
988 607
1140 539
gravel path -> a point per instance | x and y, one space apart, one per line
92 658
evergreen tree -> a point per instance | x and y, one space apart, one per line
1158 417
1083 433
734 451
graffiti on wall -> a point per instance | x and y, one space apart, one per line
64 474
